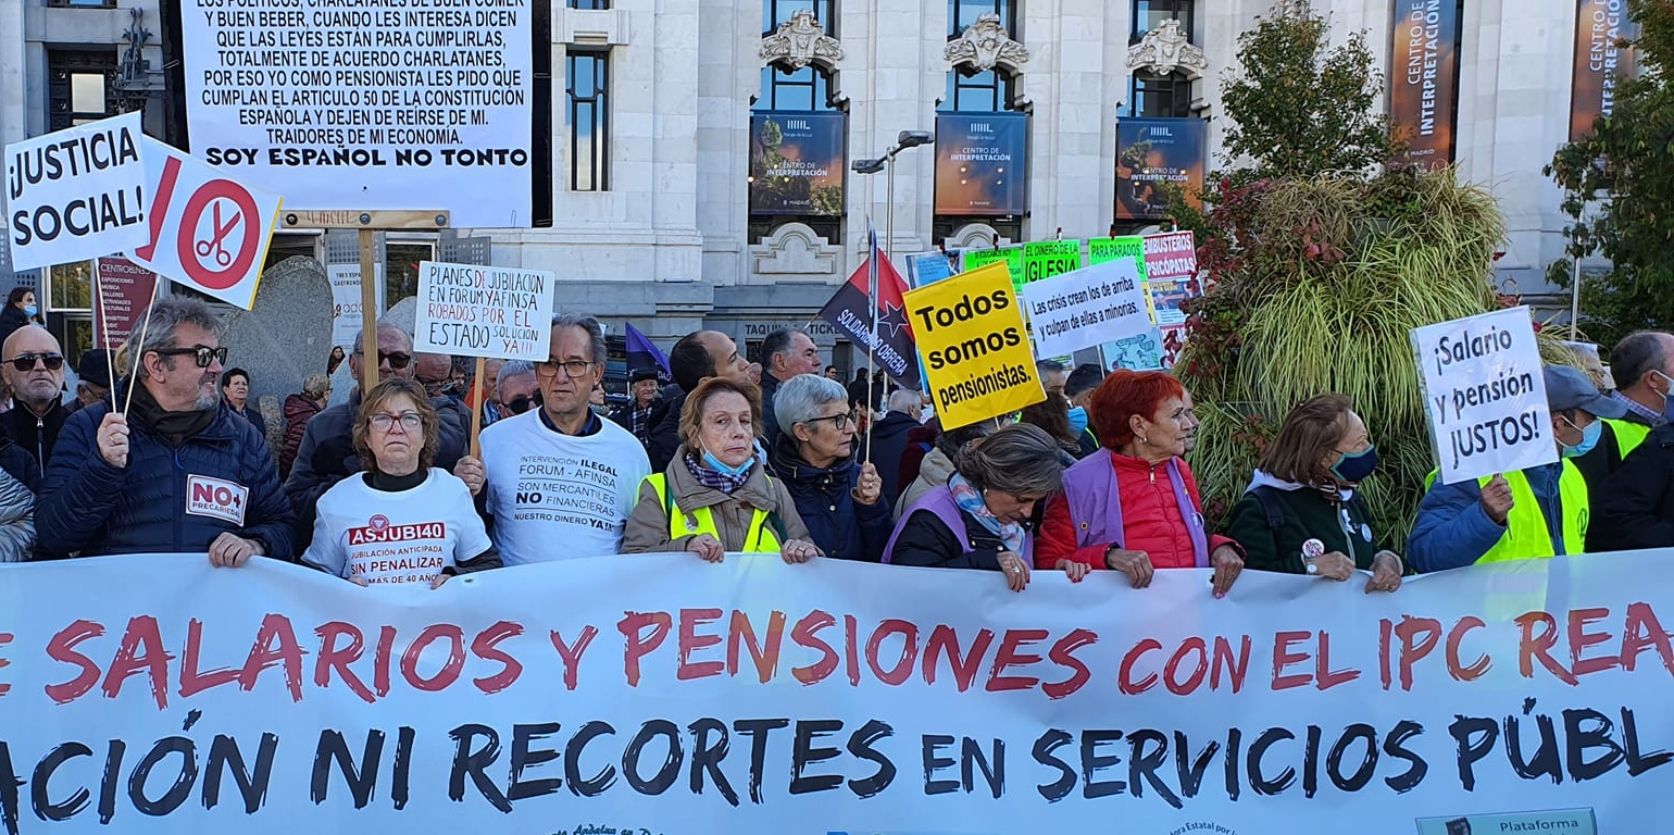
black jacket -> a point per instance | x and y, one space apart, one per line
328 455
1303 514
1634 507
87 506
252 413
841 528
889 440
925 541
34 435
769 430
11 318
663 441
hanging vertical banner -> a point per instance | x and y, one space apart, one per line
980 164
125 291
796 163
1599 62
1424 79
1151 152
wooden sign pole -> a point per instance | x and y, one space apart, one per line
368 223
476 411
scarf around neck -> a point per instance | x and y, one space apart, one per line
714 479
969 499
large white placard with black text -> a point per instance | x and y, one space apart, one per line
372 104
661 694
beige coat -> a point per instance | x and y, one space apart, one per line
932 473
647 529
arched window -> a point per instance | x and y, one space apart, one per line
806 89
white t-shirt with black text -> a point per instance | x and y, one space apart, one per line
392 537
557 496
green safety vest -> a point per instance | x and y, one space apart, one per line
1629 435
760 539
1526 536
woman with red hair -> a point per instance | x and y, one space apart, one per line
1133 506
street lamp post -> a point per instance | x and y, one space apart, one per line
904 140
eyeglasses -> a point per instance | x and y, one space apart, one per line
384 421
519 405
202 355
572 368
26 362
838 422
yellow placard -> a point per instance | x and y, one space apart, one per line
977 359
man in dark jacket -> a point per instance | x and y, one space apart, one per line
1634 507
327 454
635 415
695 358
180 473
785 353
889 439
34 368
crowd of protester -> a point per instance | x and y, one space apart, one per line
739 457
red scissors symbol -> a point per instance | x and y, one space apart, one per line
219 234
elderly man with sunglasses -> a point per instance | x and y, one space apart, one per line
34 369
327 454
178 473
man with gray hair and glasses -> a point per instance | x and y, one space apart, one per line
179 472
559 481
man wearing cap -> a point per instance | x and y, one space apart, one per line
635 415
94 382
1526 514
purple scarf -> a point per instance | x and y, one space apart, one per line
715 480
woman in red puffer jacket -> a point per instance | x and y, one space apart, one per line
1133 507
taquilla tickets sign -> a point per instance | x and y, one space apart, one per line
660 694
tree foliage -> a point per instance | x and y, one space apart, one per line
1619 189
1320 261
1299 106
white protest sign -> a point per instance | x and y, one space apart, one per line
475 311
345 301
1485 395
76 194
1086 307
371 104
208 232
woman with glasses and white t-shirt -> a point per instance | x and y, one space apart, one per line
402 520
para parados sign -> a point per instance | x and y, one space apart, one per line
975 350
1485 395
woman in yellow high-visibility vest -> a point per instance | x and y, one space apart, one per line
1524 514
715 496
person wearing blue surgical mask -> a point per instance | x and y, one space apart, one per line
20 310
716 496
1303 513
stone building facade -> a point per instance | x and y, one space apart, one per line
652 210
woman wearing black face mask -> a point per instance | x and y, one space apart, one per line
1302 513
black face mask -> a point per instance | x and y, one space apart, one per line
520 405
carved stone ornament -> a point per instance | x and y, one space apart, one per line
985 45
1166 50
801 41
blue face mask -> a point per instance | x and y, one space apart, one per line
1589 439
30 311
1078 419
722 467
1355 467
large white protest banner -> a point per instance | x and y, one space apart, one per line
345 301
208 231
1086 307
1485 394
76 194
477 311
661 694
375 104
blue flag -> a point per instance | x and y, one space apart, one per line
643 353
